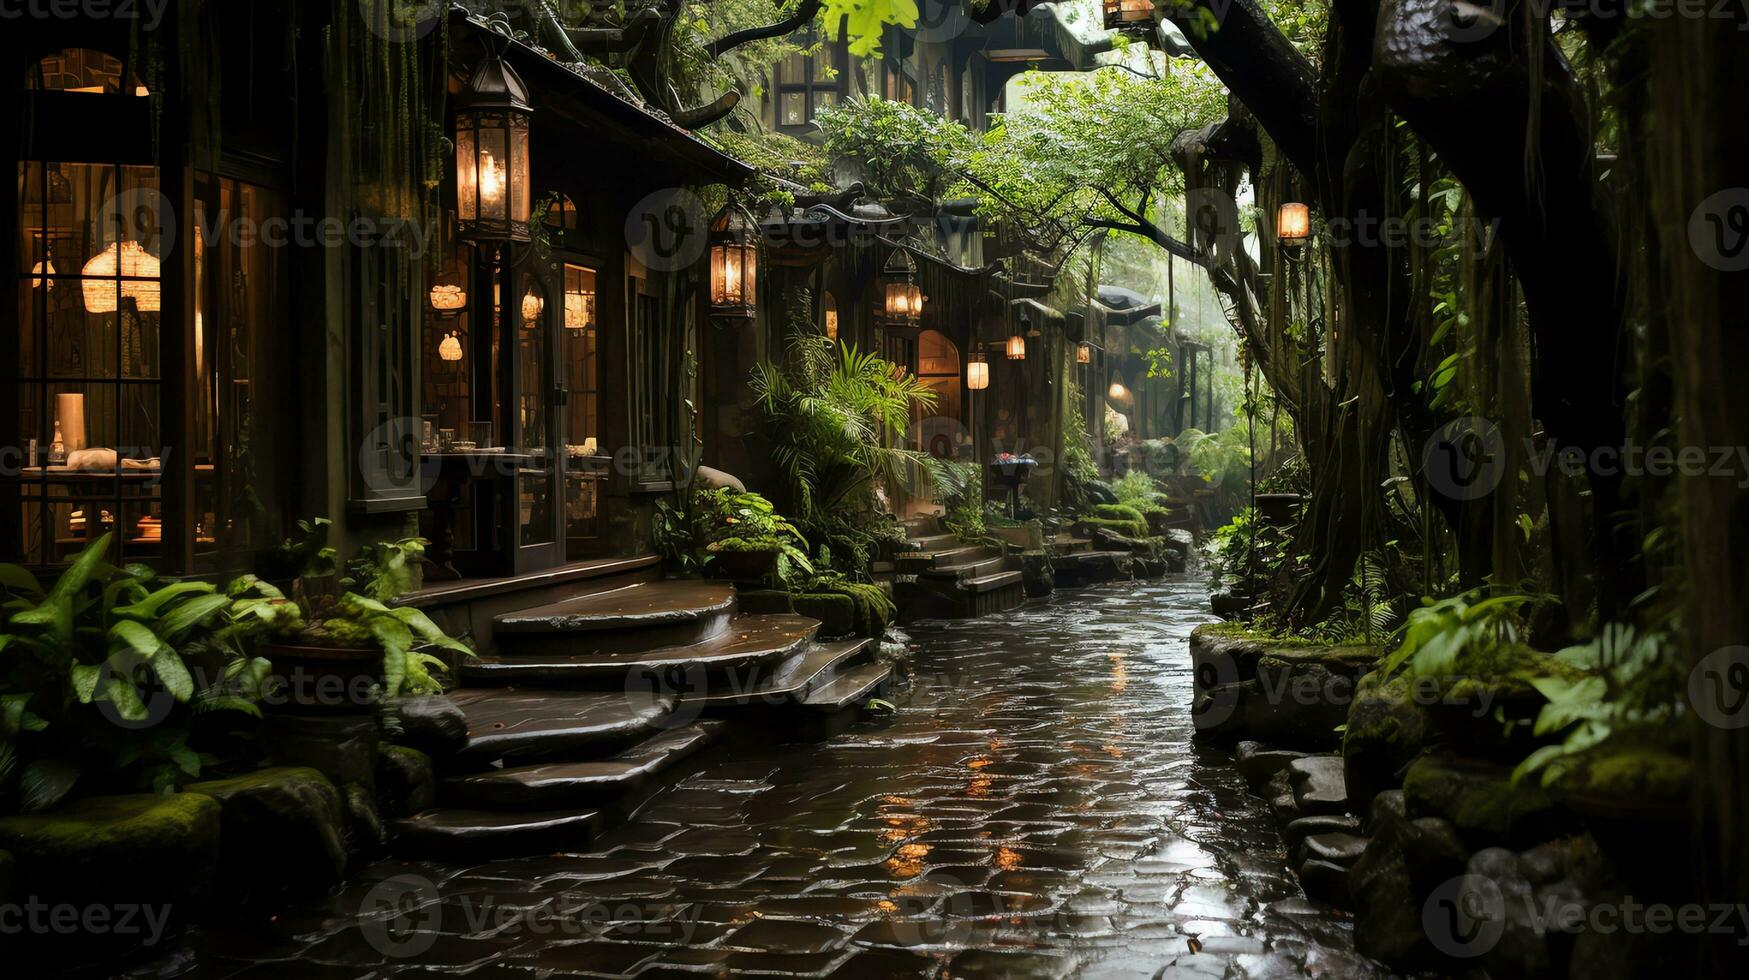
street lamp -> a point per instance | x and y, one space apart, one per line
492 156
734 265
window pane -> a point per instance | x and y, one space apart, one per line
823 65
823 98
795 108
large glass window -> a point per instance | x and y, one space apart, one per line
586 468
806 84
87 379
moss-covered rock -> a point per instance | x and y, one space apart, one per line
406 781
835 611
1482 803
149 859
1134 530
293 815
1387 729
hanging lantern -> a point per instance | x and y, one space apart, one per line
734 265
41 271
532 307
1017 348
1293 224
139 271
447 297
1120 14
1084 353
905 298
492 179
977 372
1117 392
831 324
450 349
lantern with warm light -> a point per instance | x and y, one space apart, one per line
138 270
1120 14
492 178
831 324
734 265
451 347
1293 224
977 372
532 307
1017 348
1084 353
1117 392
904 297
447 297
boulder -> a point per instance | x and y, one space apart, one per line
293 815
1509 943
433 725
1322 823
149 860
1482 803
1302 696
1432 851
1387 906
1257 762
1387 729
1317 784
1326 882
835 611
711 478
1279 792
1231 603
365 833
406 781
1218 713
1337 848
341 747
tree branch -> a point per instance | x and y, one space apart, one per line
804 13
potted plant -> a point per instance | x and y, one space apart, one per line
345 644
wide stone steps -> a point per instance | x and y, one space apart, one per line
849 688
969 570
790 683
636 617
932 542
742 648
915 563
578 784
510 724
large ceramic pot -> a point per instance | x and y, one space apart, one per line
329 679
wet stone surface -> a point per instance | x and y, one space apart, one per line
1035 808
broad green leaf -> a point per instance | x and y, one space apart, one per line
85 678
148 608
195 610
128 634
173 673
45 783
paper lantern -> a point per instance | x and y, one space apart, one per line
977 373
1293 224
1017 348
139 270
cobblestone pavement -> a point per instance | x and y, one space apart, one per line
1034 808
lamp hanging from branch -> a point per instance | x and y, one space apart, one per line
493 184
734 265
1017 347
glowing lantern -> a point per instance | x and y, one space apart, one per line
734 265
532 307
1126 13
448 297
1293 224
492 156
1017 348
1117 392
1084 354
42 270
139 271
904 297
977 372
451 347
831 324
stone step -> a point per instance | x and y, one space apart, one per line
992 582
969 570
557 785
792 681
446 832
932 542
849 688
636 617
921 525
1064 544
748 643
510 724
917 562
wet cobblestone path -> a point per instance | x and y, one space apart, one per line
1034 808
